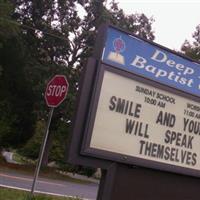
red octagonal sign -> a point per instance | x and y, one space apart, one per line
56 90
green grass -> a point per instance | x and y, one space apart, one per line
22 160
10 194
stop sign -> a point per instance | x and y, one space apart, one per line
56 90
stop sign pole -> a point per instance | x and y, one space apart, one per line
55 94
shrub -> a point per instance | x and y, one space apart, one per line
32 147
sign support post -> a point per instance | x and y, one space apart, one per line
42 151
120 181
55 94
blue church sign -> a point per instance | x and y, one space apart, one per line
151 61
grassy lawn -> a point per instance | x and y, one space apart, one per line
10 194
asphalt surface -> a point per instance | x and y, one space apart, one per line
47 186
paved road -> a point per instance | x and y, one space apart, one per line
60 188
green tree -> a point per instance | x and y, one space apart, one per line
7 30
15 91
56 40
192 49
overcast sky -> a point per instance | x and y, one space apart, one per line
175 20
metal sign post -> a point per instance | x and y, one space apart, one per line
55 94
42 151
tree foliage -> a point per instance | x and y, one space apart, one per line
16 98
39 39
192 49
